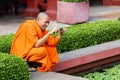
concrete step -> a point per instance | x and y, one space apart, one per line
52 76
77 61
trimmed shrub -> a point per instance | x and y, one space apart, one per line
78 36
13 68
88 34
5 43
118 19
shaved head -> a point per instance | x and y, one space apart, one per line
42 15
43 20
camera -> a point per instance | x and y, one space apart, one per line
60 29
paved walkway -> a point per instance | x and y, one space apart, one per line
10 24
99 11
104 12
53 76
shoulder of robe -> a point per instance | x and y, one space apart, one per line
28 21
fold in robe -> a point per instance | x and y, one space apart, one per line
24 42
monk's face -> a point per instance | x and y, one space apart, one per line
44 23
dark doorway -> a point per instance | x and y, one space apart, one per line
45 1
12 7
43 7
95 2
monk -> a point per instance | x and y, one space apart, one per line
34 43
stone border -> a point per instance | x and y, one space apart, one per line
53 76
88 55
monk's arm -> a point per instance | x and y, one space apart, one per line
42 40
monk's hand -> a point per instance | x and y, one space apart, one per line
62 31
55 29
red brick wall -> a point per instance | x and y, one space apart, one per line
106 2
116 2
111 2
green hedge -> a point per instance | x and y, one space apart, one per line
13 68
78 36
88 34
5 42
106 74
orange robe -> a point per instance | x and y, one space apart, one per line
24 41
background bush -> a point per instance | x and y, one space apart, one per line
13 68
88 34
118 19
5 43
78 36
